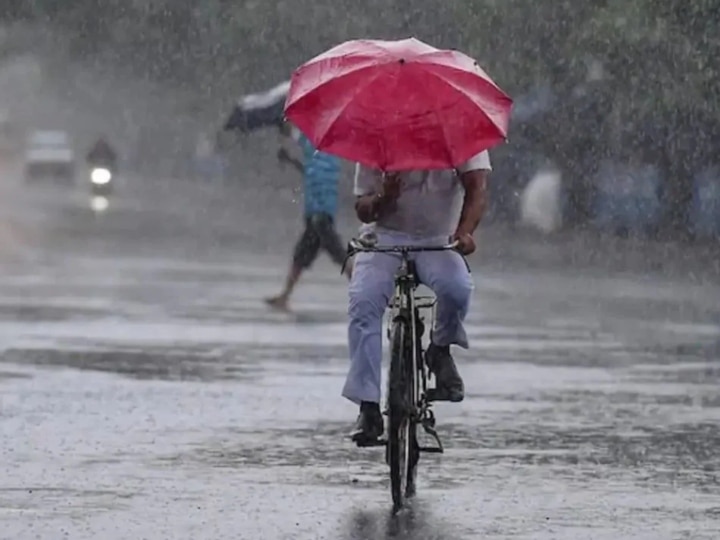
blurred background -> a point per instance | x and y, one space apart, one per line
617 103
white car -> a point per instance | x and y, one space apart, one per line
49 156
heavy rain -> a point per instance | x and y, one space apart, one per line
156 380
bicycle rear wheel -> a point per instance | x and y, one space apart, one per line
402 428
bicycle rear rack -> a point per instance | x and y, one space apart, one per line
372 444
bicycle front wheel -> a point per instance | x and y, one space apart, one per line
401 433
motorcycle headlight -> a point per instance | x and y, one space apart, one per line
99 204
100 176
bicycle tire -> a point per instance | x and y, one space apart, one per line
401 426
414 444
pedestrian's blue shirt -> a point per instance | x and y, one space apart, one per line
322 172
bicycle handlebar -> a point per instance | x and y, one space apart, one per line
356 246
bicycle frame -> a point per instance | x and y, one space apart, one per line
405 303
409 399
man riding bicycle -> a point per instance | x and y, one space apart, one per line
412 208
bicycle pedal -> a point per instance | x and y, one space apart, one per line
372 443
432 449
433 394
439 394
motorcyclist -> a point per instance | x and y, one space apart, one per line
101 154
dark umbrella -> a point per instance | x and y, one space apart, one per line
255 111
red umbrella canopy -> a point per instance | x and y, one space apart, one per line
397 105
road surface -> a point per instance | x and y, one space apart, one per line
147 393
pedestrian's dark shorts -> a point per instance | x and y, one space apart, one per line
319 233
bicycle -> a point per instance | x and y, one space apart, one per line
409 400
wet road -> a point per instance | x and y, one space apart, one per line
145 392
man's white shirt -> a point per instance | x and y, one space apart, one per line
430 202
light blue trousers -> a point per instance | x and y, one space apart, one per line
372 285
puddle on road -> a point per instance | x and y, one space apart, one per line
321 455
9 375
658 458
142 365
208 362
60 500
43 313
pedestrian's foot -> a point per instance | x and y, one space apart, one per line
278 302
448 383
369 425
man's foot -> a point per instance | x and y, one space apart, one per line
278 302
449 385
369 425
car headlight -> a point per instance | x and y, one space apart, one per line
100 176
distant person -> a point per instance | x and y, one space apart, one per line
321 173
101 154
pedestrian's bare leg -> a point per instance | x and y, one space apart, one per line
281 301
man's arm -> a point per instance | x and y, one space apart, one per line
370 208
375 196
475 202
284 156
365 208
473 175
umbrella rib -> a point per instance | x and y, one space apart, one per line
431 99
324 57
358 89
450 67
461 90
350 71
